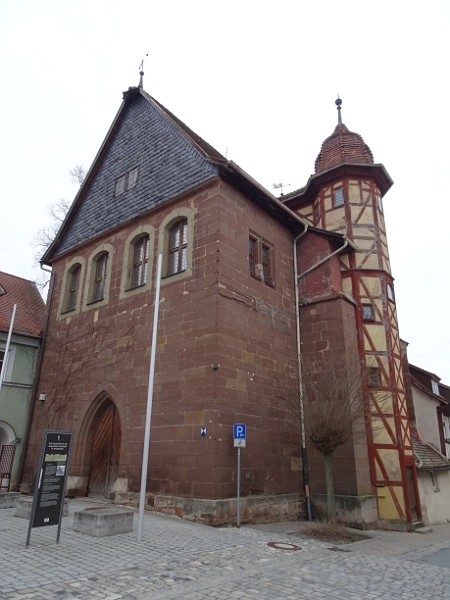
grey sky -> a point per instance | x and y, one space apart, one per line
258 78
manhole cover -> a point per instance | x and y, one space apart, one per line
283 546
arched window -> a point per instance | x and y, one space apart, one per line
74 284
178 240
100 277
140 262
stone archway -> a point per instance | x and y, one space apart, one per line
105 455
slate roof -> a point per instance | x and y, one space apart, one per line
427 458
342 146
30 312
171 159
146 136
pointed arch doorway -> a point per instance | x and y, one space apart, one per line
104 469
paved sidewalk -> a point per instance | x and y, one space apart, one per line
178 559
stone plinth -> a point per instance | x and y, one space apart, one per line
9 499
101 522
24 504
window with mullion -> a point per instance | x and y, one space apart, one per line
178 239
100 278
251 255
140 262
73 290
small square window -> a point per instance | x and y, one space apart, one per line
374 377
368 312
120 185
338 197
132 178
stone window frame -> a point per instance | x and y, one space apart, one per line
88 301
178 214
127 270
63 309
259 268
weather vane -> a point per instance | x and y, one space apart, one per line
141 72
277 186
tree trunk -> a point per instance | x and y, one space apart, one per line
329 482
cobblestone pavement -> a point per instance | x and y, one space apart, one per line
178 559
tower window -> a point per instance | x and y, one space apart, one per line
368 312
338 197
374 377
100 278
390 292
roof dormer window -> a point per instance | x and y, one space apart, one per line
435 387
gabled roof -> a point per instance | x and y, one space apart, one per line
30 312
427 458
171 159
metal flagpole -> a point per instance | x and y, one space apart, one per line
238 489
148 416
8 342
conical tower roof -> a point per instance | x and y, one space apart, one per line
342 146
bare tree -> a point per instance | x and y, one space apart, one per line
335 408
57 213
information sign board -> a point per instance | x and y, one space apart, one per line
48 501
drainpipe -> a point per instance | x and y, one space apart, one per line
324 259
300 382
299 361
37 375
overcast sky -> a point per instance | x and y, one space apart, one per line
259 79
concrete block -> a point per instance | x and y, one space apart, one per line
24 504
9 499
100 522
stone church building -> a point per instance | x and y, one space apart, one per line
232 327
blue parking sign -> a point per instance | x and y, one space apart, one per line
239 431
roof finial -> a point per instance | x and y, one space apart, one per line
338 103
141 72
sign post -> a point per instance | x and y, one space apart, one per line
240 438
50 488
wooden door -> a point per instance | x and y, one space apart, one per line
105 453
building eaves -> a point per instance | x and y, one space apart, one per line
427 457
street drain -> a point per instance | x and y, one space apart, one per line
283 546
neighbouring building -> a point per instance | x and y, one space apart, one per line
429 410
227 334
18 368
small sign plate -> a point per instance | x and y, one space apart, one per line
239 435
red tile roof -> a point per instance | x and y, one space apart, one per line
343 146
30 312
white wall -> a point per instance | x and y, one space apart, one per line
435 505
426 417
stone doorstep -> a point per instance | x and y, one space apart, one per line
102 522
24 504
253 509
9 499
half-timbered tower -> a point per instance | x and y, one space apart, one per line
345 196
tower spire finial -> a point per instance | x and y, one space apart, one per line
338 103
141 72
